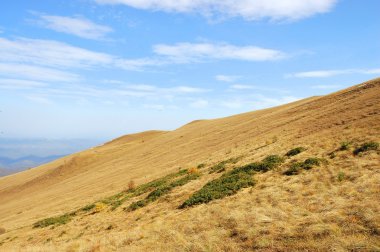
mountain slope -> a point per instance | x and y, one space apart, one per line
269 217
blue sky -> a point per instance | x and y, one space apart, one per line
98 69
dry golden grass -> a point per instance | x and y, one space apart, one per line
332 207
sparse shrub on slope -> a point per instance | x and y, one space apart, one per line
265 165
345 146
296 168
232 181
295 151
221 166
366 147
226 185
88 208
200 166
59 220
164 189
310 162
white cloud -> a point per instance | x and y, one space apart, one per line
331 73
138 64
242 87
256 101
326 87
20 84
232 104
159 106
61 55
77 26
195 52
247 9
227 78
201 103
36 73
39 99
50 53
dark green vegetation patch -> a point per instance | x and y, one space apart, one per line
366 147
231 182
297 167
58 220
162 190
221 166
295 151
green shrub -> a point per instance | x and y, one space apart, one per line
162 190
88 208
221 166
297 167
345 146
200 166
136 205
310 162
59 220
341 176
295 151
366 147
226 185
268 163
294 169
232 181
332 155
218 167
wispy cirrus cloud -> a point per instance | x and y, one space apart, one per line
77 26
257 101
247 9
31 72
50 53
245 87
21 84
56 54
331 73
325 87
227 78
196 52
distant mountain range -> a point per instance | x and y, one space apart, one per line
10 165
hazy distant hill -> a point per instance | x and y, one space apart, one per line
9 165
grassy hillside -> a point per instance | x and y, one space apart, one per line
298 177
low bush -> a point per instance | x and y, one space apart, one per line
232 181
341 176
310 162
294 169
162 190
88 208
295 151
265 165
200 166
59 220
345 146
297 167
2 230
218 167
366 147
227 184
221 166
